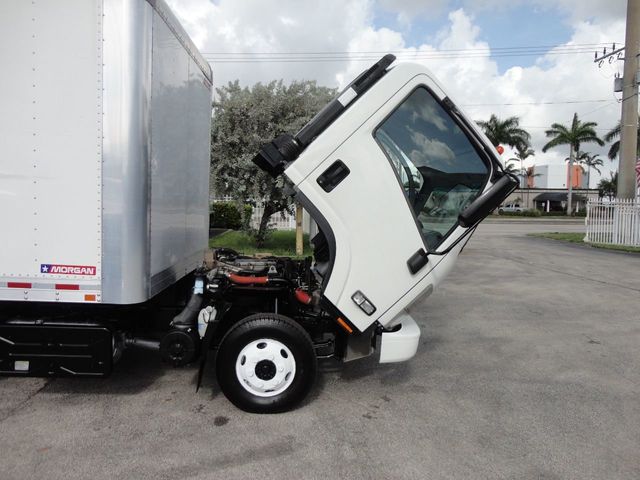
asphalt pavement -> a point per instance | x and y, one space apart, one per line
528 368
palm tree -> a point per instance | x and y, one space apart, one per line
609 187
590 161
615 146
578 133
529 172
523 151
509 168
506 132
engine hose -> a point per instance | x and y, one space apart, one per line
246 280
188 316
302 296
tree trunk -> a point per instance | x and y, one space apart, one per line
588 178
299 231
570 182
261 236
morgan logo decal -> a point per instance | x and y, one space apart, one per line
67 269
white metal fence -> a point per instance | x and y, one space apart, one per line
614 222
279 221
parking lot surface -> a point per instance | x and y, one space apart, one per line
529 367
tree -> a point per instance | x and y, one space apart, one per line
509 168
529 173
615 146
590 161
506 132
523 151
609 187
578 133
246 118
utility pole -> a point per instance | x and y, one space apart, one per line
570 182
629 121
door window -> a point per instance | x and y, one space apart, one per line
438 168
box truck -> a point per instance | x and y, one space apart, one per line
104 161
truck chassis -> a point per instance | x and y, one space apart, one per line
262 320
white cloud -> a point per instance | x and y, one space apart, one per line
347 26
408 10
430 150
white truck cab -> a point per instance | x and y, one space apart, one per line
393 173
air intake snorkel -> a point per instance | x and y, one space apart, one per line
273 157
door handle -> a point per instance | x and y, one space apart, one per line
333 175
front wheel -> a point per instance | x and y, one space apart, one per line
266 363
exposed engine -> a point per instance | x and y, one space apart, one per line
267 274
272 284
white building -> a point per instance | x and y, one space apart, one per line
555 176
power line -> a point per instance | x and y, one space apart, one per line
382 52
361 56
529 127
611 103
535 103
374 58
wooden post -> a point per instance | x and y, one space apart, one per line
299 232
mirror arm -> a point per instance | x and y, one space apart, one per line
488 201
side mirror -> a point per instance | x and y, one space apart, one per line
488 201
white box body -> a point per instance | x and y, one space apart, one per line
105 110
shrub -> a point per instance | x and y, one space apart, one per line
229 215
533 212
246 219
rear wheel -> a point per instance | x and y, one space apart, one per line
266 363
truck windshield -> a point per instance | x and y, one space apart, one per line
437 166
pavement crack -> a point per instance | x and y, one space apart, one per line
12 411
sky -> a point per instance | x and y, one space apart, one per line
530 58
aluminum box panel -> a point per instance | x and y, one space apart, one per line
180 119
88 176
127 75
50 141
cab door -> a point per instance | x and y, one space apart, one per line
390 193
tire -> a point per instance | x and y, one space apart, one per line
500 211
266 363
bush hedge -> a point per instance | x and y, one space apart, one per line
228 215
525 213
558 213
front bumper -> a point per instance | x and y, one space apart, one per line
402 344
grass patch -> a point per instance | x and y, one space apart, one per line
579 238
281 243
513 216
544 216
